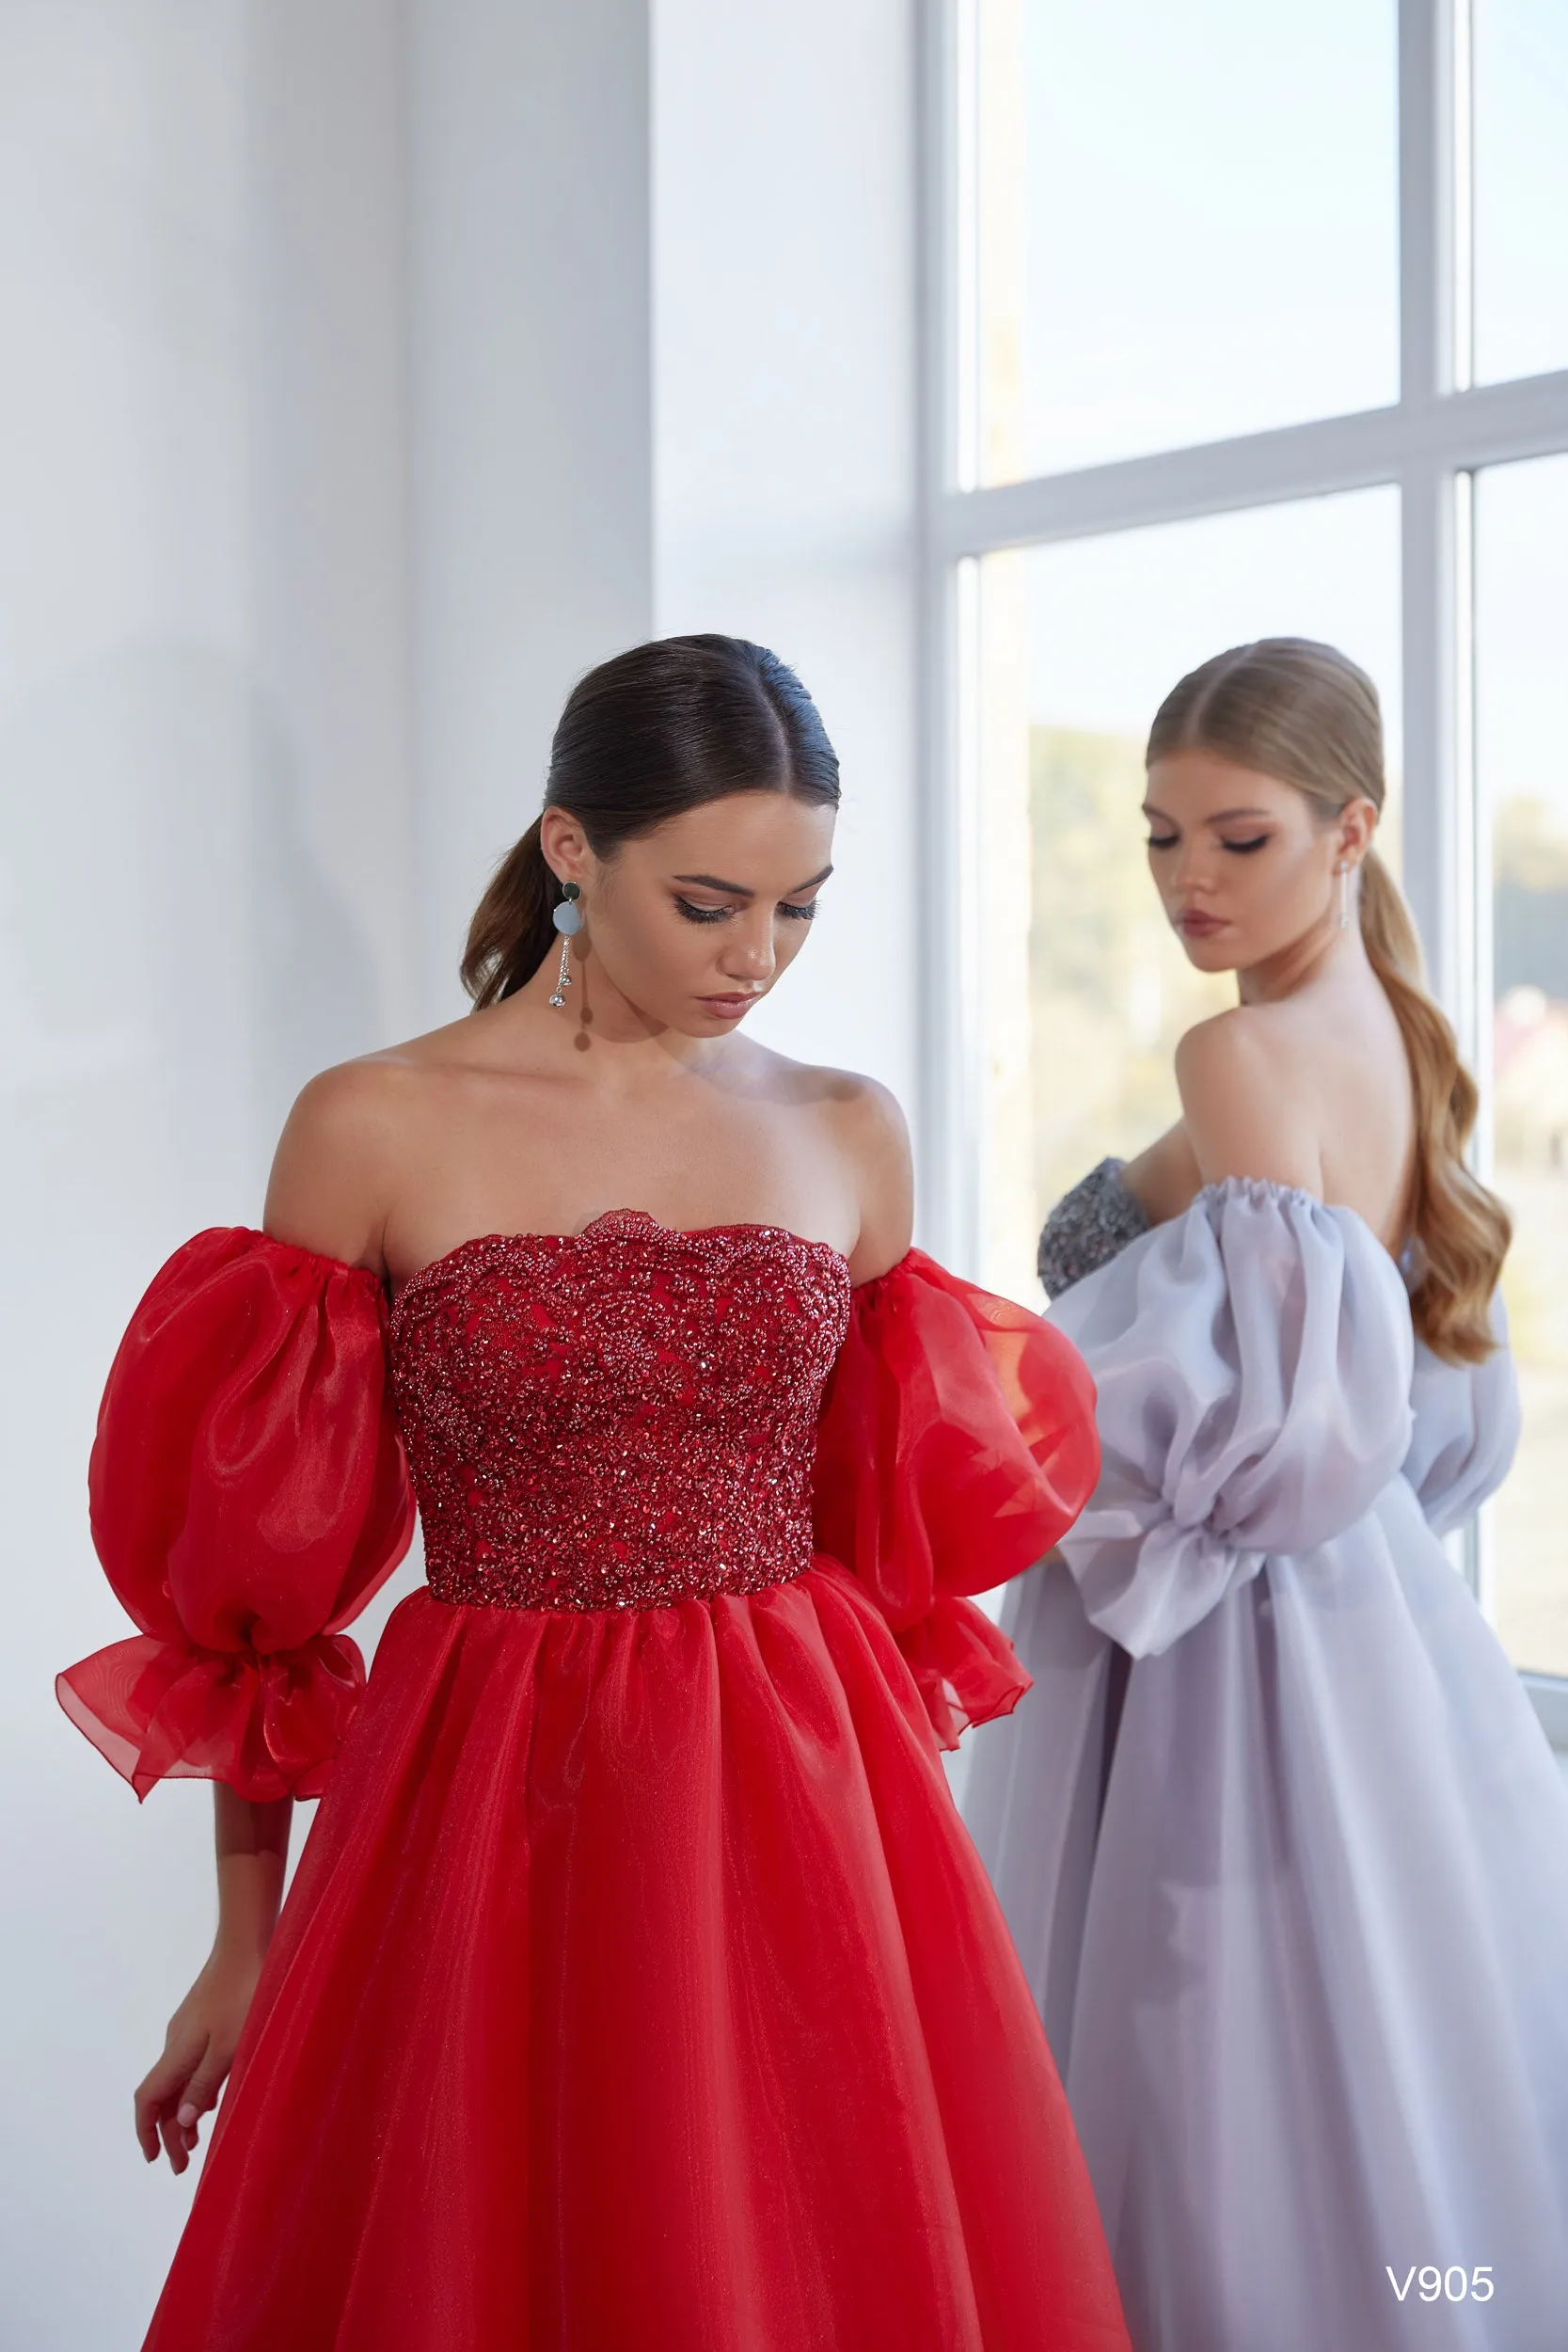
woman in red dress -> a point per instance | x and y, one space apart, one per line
639 1986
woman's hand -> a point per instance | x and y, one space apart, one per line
198 2050
252 1847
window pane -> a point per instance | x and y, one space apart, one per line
1188 223
1086 989
1521 610
1520 63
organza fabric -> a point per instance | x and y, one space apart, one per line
930 1492
638 1985
248 1494
1281 1842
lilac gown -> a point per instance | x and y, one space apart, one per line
1281 1842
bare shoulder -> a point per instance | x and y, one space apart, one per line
1254 1048
867 1109
1229 1043
329 1185
857 1104
863 1127
1244 1112
875 1138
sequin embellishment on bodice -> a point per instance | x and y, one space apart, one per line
617 1418
1088 1227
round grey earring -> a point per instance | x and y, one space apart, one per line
568 919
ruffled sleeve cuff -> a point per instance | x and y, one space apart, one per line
965 1668
956 1445
268 1724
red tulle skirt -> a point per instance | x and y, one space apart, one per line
639 1987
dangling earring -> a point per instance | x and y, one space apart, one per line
566 920
1343 872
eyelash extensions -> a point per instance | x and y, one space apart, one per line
721 914
1238 849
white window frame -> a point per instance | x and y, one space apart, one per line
1431 442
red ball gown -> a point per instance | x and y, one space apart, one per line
638 1988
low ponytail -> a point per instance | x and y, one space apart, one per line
1290 707
1463 1231
512 931
645 738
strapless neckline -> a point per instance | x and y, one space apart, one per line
610 1221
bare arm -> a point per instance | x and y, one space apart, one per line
325 1193
329 1189
1240 1112
251 1842
878 1140
252 1847
1164 1178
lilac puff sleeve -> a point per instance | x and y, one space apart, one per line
1467 1429
1253 1360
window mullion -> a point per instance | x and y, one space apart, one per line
1436 871
945 301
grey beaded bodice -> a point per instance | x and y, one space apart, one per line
1087 1227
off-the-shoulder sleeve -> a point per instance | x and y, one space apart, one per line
1253 1360
956 1443
1467 1429
248 1494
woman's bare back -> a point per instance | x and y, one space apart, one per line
1313 1089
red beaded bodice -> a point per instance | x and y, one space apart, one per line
616 1418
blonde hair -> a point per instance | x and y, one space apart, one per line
1286 706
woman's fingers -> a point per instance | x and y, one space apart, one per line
201 2092
145 2108
174 2141
155 2093
197 2051
158 2095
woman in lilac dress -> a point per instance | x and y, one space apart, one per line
1277 1834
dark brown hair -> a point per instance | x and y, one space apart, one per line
1289 708
645 736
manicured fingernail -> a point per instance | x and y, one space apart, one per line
186 2116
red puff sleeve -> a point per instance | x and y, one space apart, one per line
956 1445
248 1494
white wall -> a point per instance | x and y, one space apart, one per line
531 442
784 337
329 433
204 863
